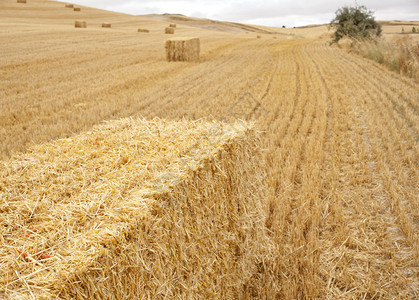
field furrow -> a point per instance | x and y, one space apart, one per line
368 199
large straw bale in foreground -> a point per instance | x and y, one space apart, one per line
134 209
182 49
80 24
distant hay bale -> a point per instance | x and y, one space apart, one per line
77 9
80 24
136 208
182 49
259 37
169 30
69 5
143 30
106 25
21 1
172 25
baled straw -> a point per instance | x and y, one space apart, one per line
134 209
106 25
182 49
69 5
169 30
80 24
77 9
172 25
21 1
143 30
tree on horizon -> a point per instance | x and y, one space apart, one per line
356 23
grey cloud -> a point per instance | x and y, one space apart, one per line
285 8
293 12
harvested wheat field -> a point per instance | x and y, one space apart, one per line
316 199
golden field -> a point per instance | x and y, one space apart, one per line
338 134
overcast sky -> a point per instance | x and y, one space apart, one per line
269 12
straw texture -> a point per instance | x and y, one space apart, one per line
182 49
80 24
134 209
169 30
143 30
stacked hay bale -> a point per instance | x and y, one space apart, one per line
182 49
172 25
77 9
69 5
80 24
169 30
143 30
21 1
135 208
106 25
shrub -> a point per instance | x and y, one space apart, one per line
356 23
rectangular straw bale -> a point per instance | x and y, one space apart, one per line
77 9
106 25
143 30
80 24
69 5
134 209
182 49
172 25
169 30
21 1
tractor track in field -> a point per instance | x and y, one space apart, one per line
379 195
394 126
397 102
297 143
397 239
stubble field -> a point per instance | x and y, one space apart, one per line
339 133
